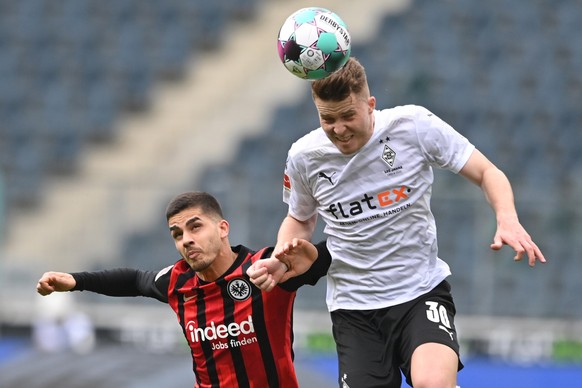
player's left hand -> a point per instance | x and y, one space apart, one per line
512 233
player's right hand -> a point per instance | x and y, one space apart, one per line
266 273
55 281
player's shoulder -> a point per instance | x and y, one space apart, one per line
311 142
400 112
164 272
405 121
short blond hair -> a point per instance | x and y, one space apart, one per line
338 86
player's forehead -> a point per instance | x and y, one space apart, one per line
182 218
337 108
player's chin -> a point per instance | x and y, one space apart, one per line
346 147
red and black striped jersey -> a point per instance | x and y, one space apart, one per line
239 336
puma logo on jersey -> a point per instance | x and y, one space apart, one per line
324 176
449 332
344 381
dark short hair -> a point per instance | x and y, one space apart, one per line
206 202
338 86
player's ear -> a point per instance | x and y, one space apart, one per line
371 104
224 227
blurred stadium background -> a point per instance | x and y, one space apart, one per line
110 108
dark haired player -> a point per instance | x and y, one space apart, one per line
239 336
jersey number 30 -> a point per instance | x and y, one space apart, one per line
437 313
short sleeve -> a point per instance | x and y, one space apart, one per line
441 144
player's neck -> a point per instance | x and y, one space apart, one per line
221 264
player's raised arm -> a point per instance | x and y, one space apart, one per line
118 282
499 194
290 259
291 228
298 256
55 281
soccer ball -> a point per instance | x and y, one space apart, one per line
313 43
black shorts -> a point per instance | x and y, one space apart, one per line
374 346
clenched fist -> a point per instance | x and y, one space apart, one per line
55 281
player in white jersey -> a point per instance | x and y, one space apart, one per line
368 174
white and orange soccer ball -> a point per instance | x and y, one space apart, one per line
313 43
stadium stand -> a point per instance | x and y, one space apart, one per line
70 126
69 68
454 57
516 99
503 76
506 75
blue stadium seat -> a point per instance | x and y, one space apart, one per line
76 64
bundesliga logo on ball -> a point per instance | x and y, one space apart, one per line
313 43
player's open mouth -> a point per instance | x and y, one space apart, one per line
343 139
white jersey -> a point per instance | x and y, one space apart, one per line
376 205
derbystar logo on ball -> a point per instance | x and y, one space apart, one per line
313 43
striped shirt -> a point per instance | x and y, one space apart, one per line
238 335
